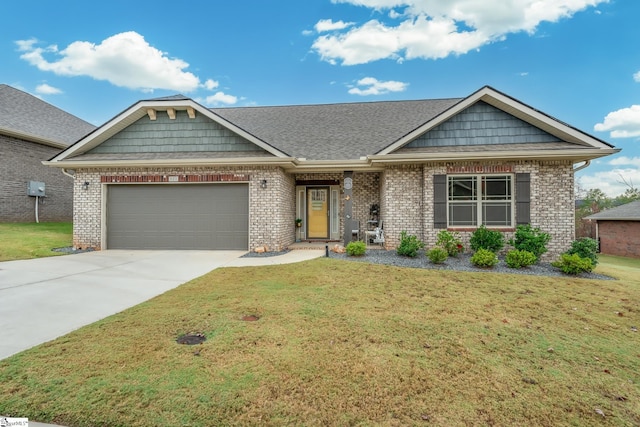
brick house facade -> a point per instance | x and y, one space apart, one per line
440 164
618 230
33 131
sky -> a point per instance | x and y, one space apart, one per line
576 60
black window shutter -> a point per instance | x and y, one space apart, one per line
440 201
523 198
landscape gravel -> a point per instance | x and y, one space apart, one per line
460 263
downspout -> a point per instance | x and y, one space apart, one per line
579 168
64 171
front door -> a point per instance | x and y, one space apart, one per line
318 213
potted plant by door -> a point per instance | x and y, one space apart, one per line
298 222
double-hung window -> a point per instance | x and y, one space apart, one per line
473 200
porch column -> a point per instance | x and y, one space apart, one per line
348 206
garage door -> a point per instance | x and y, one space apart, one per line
180 216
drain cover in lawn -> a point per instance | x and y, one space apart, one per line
191 339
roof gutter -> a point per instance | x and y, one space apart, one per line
33 138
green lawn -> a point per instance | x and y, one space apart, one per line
345 343
33 240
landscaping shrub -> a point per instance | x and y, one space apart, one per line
518 259
585 248
451 242
573 264
409 245
483 238
438 255
356 248
484 258
531 240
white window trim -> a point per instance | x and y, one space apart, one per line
479 200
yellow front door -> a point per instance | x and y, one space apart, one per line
318 213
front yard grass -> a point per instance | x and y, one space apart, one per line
345 343
33 240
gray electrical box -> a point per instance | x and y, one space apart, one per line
35 189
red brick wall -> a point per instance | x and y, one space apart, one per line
620 238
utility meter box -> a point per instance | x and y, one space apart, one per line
36 189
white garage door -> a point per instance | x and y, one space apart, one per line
180 216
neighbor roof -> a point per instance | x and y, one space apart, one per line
24 116
626 212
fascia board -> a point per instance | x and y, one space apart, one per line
139 110
244 161
577 155
511 106
32 138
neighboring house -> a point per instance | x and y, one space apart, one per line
32 131
170 173
618 230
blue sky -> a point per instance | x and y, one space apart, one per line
577 60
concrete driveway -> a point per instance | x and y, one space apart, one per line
45 298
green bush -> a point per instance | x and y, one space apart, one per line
585 248
573 264
518 259
483 238
484 258
356 248
438 255
451 242
409 245
531 240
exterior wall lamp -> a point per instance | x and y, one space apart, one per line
85 186
263 183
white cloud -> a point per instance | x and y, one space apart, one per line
636 76
435 29
221 98
610 182
211 84
623 123
124 60
328 25
625 161
45 89
372 86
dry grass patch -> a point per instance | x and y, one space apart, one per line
341 343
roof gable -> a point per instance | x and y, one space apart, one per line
482 124
535 118
173 108
180 134
24 116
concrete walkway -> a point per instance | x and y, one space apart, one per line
45 298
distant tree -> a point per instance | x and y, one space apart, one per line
630 194
593 201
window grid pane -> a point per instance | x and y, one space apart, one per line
496 213
463 188
496 188
463 214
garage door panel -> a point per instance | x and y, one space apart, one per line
187 216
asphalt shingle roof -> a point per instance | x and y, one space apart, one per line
335 131
25 114
626 212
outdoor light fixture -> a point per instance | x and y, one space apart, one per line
263 183
85 186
